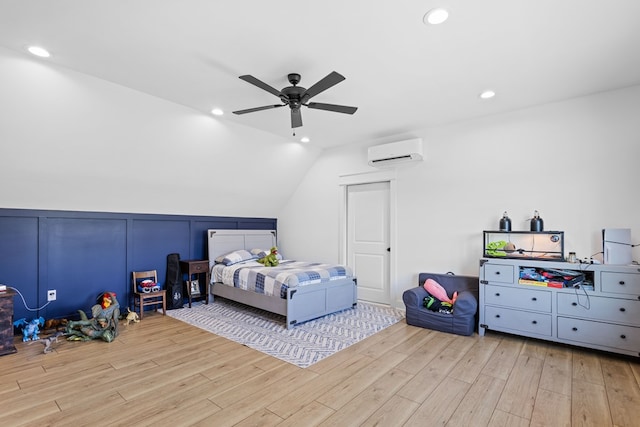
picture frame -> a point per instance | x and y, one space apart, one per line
194 287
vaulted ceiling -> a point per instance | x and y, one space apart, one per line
402 74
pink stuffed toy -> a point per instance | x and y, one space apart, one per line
436 289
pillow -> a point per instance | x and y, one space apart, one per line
434 288
235 257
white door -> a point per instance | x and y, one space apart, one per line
368 239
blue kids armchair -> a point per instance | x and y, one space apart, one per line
463 318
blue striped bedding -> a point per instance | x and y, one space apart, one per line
253 276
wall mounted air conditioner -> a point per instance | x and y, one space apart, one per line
394 153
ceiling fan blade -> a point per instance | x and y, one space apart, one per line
330 80
296 118
262 85
251 110
332 107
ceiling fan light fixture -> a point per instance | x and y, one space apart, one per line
435 16
295 96
39 51
487 94
217 112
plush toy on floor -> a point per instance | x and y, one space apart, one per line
30 329
270 260
103 325
57 324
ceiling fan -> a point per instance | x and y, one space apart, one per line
295 96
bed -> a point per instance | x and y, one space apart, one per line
300 291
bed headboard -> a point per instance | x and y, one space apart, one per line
224 241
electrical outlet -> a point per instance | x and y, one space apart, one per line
51 295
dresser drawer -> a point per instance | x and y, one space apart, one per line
604 334
505 319
498 273
518 297
620 283
602 308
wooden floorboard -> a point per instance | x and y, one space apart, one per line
164 372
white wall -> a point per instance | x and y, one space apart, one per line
72 142
576 162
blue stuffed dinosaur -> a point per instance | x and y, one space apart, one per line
30 329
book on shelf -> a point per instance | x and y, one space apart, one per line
532 282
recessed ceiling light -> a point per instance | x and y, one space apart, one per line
305 139
38 51
217 112
487 94
435 16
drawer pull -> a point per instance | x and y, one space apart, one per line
621 282
534 299
574 329
497 315
574 304
624 337
535 322
622 309
498 273
497 294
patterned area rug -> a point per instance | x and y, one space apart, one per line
304 344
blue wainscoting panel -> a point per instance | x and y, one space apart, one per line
86 257
153 240
19 265
82 254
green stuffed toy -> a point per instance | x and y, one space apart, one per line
494 248
271 260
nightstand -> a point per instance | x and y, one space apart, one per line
196 267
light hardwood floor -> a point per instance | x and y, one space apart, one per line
164 372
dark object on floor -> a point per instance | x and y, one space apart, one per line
57 324
173 282
463 319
